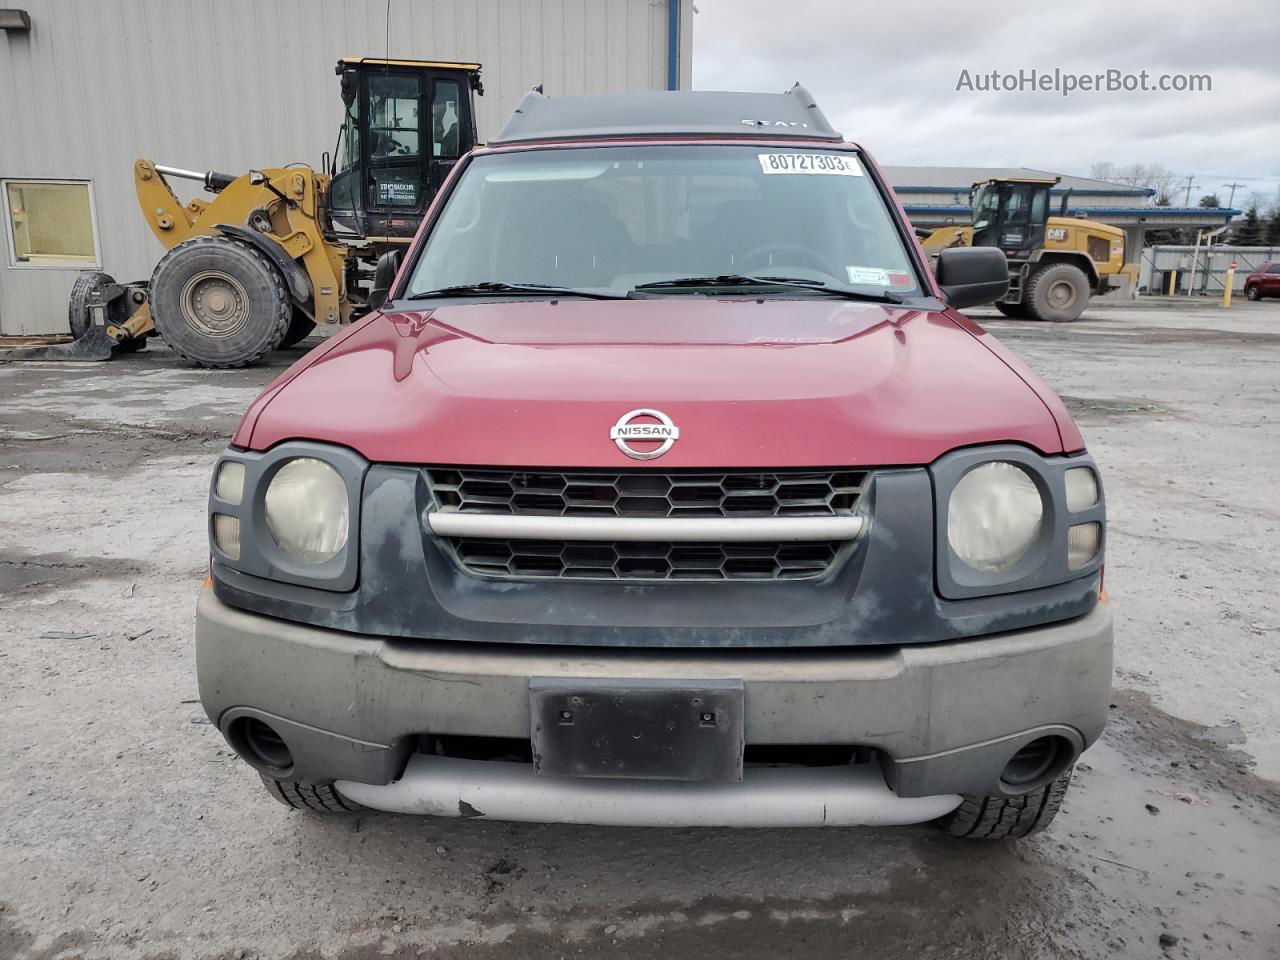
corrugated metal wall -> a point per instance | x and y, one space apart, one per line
234 84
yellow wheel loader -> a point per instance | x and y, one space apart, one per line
274 253
1055 263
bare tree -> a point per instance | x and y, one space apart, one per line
1149 175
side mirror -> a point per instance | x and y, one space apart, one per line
384 275
972 276
349 85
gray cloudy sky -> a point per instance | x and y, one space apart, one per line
885 73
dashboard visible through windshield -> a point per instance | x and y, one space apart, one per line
667 218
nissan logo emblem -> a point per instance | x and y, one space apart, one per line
664 433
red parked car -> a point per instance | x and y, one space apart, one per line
666 487
1263 282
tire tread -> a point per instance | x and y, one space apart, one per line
316 797
1007 818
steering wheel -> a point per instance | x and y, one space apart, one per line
806 254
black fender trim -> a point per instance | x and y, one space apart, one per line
295 277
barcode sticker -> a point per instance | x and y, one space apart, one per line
810 163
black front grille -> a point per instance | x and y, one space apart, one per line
646 494
631 560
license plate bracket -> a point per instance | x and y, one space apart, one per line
637 729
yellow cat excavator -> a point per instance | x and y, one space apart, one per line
275 252
1055 263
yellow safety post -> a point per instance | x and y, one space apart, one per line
1173 283
1226 287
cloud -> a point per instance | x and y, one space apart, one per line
886 75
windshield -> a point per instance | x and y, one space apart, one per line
617 218
986 205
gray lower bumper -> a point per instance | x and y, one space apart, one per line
851 796
946 717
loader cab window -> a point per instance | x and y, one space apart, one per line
445 122
343 197
986 205
1018 203
393 130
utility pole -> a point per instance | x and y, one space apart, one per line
1187 202
1233 187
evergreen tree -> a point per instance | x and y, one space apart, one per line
1248 232
1210 200
1272 236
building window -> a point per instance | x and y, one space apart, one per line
50 223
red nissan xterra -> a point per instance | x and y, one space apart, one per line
667 487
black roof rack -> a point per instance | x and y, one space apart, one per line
655 113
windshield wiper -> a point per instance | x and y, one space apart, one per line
491 287
740 280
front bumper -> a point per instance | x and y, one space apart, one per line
945 717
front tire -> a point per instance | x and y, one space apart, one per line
219 302
1057 293
1253 293
300 328
318 798
1007 818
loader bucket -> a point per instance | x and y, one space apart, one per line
93 344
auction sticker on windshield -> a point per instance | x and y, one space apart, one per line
811 163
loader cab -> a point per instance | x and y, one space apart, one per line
406 123
1011 214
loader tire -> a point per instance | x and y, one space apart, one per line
78 302
1057 293
1017 311
321 798
219 303
1007 818
300 328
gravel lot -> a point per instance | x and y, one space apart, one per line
129 831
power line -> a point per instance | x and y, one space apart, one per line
1234 186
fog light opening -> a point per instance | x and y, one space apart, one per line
1037 762
260 746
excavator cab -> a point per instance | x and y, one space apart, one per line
1011 214
406 124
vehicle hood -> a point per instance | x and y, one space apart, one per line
749 383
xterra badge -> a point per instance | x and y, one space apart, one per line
664 433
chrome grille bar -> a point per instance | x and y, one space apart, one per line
450 523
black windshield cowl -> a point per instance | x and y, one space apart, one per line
740 280
489 288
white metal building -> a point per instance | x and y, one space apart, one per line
86 86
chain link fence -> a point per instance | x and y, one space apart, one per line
1202 271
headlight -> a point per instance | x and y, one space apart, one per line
994 516
307 512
